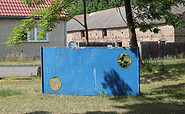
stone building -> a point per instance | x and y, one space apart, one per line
11 12
108 26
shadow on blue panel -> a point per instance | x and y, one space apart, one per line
117 85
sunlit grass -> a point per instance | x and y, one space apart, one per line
18 62
162 91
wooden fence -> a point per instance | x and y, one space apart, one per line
155 49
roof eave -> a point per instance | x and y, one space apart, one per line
24 17
159 24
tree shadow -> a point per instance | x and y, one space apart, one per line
155 108
39 112
117 85
165 99
100 112
170 71
172 91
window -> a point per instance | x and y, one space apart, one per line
82 33
34 33
119 44
104 32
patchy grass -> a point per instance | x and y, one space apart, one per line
18 62
162 91
9 92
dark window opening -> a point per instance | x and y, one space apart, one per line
82 33
104 32
119 44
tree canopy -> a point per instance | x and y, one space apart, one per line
93 6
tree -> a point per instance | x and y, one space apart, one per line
102 5
146 11
115 3
92 6
48 17
85 23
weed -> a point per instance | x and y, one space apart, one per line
37 90
103 94
9 92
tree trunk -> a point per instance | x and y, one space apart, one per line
131 26
130 23
85 23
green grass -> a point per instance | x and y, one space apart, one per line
9 92
162 91
18 62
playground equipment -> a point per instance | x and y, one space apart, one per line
90 71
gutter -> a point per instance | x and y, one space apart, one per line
24 17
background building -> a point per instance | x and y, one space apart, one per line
11 12
109 26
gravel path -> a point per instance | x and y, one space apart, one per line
17 71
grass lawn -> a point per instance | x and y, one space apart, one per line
18 62
162 91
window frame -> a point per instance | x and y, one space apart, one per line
35 36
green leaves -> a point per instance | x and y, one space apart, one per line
33 3
149 11
146 14
44 19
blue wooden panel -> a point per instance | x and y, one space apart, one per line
88 71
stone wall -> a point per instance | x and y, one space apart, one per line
118 35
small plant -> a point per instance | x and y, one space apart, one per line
180 56
146 67
103 94
9 92
37 90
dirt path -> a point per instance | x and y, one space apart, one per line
18 71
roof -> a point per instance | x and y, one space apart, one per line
107 19
16 8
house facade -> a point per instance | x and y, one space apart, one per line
108 26
11 12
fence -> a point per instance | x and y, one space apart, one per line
155 49
96 44
89 71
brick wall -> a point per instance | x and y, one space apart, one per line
122 35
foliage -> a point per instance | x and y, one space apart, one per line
148 11
93 6
103 94
124 60
47 19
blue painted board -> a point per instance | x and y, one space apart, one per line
89 71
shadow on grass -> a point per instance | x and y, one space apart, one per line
165 99
172 91
170 71
18 78
100 112
155 108
39 112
